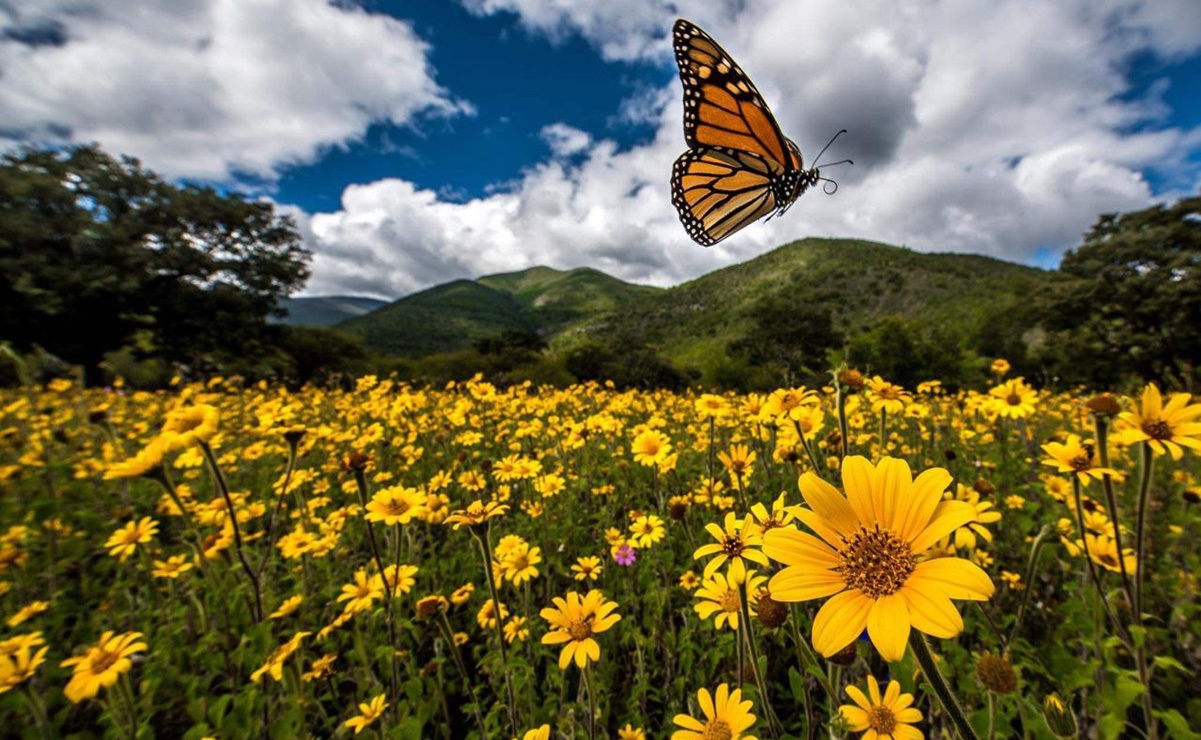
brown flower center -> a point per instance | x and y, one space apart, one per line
882 720
581 629
1158 429
104 660
717 730
732 546
876 562
1081 462
1013 399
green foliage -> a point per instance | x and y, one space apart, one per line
94 250
1132 303
788 336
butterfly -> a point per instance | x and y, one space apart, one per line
739 166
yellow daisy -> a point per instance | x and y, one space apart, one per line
868 557
1166 428
738 540
727 716
574 621
889 716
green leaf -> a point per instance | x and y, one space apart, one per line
1177 725
797 682
1165 662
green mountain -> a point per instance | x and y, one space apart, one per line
453 316
859 281
326 310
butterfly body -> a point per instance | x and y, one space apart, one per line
739 166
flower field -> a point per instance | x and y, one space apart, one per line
237 560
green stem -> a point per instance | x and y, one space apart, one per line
485 545
1035 550
1111 503
233 518
591 704
745 606
449 635
843 428
1092 568
38 710
1147 465
950 703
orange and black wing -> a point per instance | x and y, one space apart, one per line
722 107
718 191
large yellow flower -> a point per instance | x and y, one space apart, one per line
102 664
575 620
1076 457
727 716
868 557
146 460
1166 428
187 426
476 514
124 542
1013 399
396 505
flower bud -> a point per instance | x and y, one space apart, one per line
1060 719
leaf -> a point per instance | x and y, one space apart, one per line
1165 662
797 682
1177 725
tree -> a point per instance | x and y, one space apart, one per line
95 252
789 336
1131 305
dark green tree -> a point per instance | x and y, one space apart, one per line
1131 302
789 336
95 252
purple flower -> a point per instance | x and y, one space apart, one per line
624 555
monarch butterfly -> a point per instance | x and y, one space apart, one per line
739 166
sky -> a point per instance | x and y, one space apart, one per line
417 142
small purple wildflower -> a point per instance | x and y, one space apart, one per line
624 555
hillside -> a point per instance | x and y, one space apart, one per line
858 281
453 316
326 310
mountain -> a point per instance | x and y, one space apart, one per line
453 316
326 310
859 281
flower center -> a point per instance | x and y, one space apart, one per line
1158 429
1013 399
730 601
717 730
104 661
1081 462
397 507
732 546
882 720
876 562
581 629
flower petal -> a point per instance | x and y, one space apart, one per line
858 478
932 612
801 583
956 577
840 621
948 516
791 547
829 503
891 493
924 496
888 626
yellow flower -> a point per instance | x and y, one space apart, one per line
520 563
461 594
587 568
1013 399
710 406
400 578
739 461
888 716
630 732
1166 428
369 712
1076 457
360 595
867 557
19 659
396 505
724 598
320 668
186 427
886 396
515 629
651 447
476 514
647 530
31 609
290 605
727 716
102 664
689 580
124 542
574 621
486 616
274 666
173 567
539 733
1000 367
739 540
146 460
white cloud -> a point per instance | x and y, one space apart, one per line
1001 128
210 89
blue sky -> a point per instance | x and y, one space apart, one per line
421 141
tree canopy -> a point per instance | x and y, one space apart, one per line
98 253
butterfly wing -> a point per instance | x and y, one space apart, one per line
722 107
717 191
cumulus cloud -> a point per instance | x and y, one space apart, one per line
209 89
1002 128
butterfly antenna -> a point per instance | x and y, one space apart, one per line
827 146
830 187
